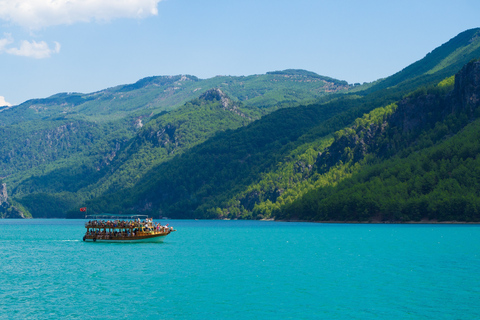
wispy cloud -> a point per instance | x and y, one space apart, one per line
35 14
33 49
5 41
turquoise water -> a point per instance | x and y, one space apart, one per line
242 270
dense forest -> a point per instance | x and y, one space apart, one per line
421 162
288 145
329 177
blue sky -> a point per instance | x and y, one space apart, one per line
52 46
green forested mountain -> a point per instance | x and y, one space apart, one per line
226 154
67 125
415 160
59 151
164 136
263 169
163 93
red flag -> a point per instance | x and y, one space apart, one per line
84 209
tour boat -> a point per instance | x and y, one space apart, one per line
126 228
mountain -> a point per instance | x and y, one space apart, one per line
415 160
266 169
73 132
164 93
245 147
73 125
164 136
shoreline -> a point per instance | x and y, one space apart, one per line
295 220
385 222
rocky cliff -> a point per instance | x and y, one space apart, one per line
219 96
467 87
6 210
3 193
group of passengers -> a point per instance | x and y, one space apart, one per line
157 227
130 228
115 224
103 234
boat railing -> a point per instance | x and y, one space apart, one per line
147 227
120 224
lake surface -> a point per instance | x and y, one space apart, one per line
242 270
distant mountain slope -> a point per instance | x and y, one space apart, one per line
218 167
164 93
163 137
170 134
61 131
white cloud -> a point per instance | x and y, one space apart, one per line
37 50
5 41
33 49
35 14
3 102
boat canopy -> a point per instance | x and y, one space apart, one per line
116 216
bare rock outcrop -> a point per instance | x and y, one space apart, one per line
8 211
3 193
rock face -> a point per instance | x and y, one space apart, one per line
14 213
467 86
227 104
3 193
6 210
216 95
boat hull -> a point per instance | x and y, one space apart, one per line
153 238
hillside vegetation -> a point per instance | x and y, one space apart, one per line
288 145
415 161
64 149
270 168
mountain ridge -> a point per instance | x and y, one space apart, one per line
246 147
235 211
175 90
